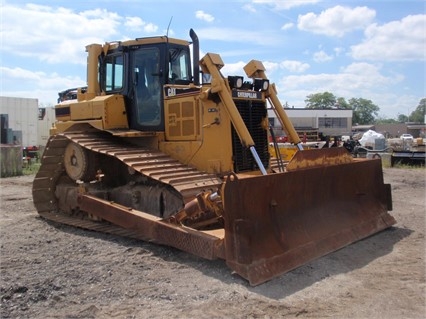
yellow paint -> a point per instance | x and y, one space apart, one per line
102 112
197 134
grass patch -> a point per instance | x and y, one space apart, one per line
31 168
408 166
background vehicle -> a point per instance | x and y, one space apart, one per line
407 137
165 158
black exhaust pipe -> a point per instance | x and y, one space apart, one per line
195 56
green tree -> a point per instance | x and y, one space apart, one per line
418 115
342 104
402 118
324 100
384 120
364 111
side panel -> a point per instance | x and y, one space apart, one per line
197 132
103 112
115 116
183 120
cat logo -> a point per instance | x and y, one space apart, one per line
171 91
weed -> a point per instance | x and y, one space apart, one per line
31 168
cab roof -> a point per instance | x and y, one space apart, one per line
147 40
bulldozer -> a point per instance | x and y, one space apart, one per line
162 147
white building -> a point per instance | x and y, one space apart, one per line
46 118
28 123
328 122
22 119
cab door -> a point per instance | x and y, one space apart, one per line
147 98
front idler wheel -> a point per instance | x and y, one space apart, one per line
79 163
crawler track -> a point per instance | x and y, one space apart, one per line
152 163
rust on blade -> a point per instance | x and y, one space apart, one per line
319 157
278 222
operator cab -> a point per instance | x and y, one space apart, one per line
139 73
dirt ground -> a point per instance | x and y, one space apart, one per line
56 271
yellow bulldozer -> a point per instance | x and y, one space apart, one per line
163 147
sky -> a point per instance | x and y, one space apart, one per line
374 50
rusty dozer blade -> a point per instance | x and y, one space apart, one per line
277 222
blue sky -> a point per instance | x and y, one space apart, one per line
374 50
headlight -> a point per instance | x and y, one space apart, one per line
235 82
261 84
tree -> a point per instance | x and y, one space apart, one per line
342 104
324 100
384 120
364 111
402 118
418 115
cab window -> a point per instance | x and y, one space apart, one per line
114 73
179 66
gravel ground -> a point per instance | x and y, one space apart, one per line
56 271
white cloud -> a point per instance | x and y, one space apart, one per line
248 7
285 4
336 21
204 16
237 68
234 69
237 35
150 28
356 76
20 74
57 34
294 66
338 51
287 26
137 24
402 40
356 80
368 75
133 23
321 56
31 84
270 68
